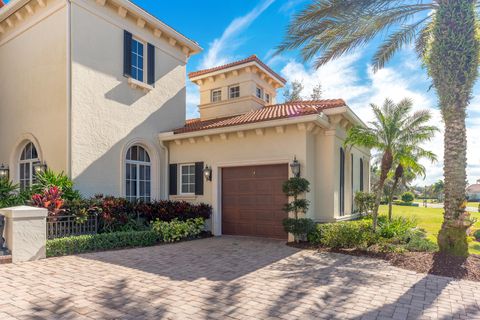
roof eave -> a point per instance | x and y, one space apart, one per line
319 119
9 8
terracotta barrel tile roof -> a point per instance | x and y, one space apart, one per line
252 58
267 113
1 3
474 188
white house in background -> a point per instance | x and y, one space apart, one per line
96 88
473 191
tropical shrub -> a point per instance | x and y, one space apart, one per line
48 179
300 228
397 227
175 230
364 201
346 234
476 235
50 199
408 197
10 194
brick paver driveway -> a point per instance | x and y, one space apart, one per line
228 278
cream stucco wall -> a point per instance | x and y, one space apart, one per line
248 82
33 90
316 150
107 114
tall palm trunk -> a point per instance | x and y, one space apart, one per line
453 65
385 167
398 175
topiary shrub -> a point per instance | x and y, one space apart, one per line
408 197
300 228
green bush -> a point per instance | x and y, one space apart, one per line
395 228
176 230
416 240
48 179
103 241
161 231
364 201
408 197
10 194
299 227
476 235
406 204
347 234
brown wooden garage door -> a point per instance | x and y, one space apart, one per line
252 201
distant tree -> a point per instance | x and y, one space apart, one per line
316 92
293 92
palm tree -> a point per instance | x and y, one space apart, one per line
446 38
407 169
394 131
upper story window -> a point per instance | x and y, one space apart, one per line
234 92
187 179
138 60
259 93
28 159
137 65
267 97
216 95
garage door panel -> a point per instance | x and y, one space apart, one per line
252 200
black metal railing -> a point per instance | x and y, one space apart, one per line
66 226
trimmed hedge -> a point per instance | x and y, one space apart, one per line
346 234
102 241
161 231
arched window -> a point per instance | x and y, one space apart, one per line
28 158
342 182
361 174
138 183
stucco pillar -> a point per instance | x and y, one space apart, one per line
25 232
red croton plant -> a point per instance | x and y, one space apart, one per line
50 199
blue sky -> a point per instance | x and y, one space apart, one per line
234 29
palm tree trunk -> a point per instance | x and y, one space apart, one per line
390 199
453 66
387 161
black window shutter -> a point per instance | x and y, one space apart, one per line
127 53
173 179
199 178
150 64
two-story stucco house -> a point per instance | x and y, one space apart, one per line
96 88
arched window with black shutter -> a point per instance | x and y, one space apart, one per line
342 182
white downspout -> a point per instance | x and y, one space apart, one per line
69 88
166 172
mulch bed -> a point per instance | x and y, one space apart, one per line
422 262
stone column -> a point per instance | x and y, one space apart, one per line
26 232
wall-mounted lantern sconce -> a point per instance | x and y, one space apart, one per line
4 172
40 167
207 173
295 167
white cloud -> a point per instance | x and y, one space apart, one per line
193 100
341 78
221 48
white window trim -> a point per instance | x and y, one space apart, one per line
145 59
262 92
233 86
180 180
134 83
212 92
29 162
137 164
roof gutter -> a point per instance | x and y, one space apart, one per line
348 113
319 119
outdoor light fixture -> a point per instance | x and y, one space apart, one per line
40 167
295 167
4 172
207 173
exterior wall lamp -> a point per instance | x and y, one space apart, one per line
40 167
207 173
295 167
4 173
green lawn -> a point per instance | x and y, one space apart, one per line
430 219
472 204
